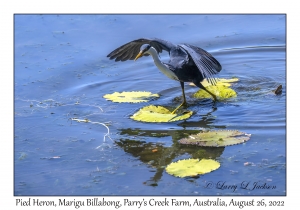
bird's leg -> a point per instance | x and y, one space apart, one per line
184 100
199 85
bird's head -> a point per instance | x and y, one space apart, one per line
144 50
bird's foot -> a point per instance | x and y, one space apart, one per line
214 97
183 104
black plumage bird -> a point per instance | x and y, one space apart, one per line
187 63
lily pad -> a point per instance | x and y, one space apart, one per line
221 81
192 167
218 138
159 114
222 89
130 97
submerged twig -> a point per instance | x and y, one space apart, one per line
103 124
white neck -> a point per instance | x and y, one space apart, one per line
162 67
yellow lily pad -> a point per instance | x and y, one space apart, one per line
130 97
159 114
221 81
192 167
218 138
222 89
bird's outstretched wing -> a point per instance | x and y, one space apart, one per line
130 50
206 63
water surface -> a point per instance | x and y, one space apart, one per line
61 72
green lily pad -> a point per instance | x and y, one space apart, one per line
130 97
159 114
192 167
222 89
218 138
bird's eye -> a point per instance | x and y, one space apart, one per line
147 47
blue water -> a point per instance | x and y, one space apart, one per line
61 72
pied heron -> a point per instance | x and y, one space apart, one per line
187 63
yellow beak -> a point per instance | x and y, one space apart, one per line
138 56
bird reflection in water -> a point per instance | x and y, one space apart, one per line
157 155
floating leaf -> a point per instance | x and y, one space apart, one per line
192 167
219 138
159 114
221 81
221 89
130 97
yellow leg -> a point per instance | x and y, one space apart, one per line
184 100
182 104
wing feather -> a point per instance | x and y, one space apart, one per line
206 63
131 49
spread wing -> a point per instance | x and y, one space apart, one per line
130 50
206 63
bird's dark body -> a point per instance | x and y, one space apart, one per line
183 66
187 63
